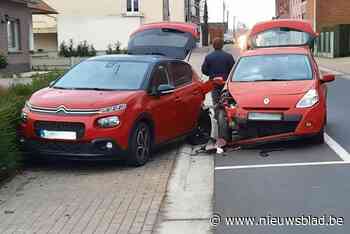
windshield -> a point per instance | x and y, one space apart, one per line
281 37
104 75
284 67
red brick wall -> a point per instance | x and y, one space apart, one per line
329 12
333 12
282 9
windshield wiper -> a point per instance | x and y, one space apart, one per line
94 89
270 80
58 87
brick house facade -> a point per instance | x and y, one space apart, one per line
321 13
15 25
282 9
16 37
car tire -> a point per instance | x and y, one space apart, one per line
201 134
224 131
319 138
140 147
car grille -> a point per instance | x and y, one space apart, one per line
79 128
269 128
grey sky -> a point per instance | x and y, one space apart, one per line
247 11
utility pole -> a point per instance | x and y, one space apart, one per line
223 11
205 25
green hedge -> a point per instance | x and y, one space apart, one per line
11 104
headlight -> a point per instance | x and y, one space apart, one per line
108 122
309 100
27 106
25 111
24 117
115 108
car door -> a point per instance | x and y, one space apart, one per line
163 108
188 95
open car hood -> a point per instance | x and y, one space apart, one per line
281 33
173 40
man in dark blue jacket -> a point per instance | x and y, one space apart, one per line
218 64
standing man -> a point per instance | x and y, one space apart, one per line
218 64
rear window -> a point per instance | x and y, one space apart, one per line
284 67
161 37
281 37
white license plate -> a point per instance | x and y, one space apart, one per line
265 116
58 135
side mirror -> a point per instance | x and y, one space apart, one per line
327 78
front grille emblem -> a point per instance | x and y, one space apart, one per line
61 110
266 101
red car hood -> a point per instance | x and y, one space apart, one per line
280 94
80 99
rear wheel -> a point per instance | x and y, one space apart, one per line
202 133
140 145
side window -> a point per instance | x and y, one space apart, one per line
160 76
181 74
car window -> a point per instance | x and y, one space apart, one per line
107 75
281 67
281 37
160 76
181 73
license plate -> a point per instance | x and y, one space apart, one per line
58 135
265 116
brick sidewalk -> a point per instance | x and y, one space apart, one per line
86 199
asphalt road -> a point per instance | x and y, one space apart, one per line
295 180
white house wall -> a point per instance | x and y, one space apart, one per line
97 30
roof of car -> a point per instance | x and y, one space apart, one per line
277 50
125 57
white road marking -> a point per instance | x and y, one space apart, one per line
281 165
341 152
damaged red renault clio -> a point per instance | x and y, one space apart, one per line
276 91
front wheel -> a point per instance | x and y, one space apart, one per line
140 145
202 133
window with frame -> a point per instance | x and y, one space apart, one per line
13 35
181 74
160 77
132 6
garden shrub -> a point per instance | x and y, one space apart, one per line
11 104
3 61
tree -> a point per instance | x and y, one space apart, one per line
205 25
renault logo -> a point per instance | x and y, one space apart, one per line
266 101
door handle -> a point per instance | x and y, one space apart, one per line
196 92
177 99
